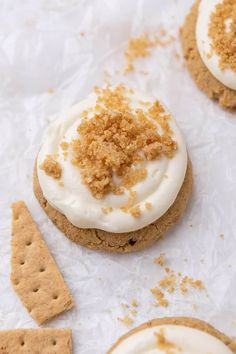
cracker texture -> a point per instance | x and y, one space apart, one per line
124 242
34 273
36 341
200 73
181 321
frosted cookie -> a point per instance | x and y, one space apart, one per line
208 39
113 173
173 336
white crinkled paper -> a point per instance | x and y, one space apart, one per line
41 48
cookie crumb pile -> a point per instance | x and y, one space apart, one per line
223 36
116 139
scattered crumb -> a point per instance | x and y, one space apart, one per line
195 307
51 167
126 320
133 312
160 297
148 206
61 184
188 282
134 303
222 236
136 211
140 47
82 34
107 210
191 225
51 90
160 259
186 260
169 282
125 306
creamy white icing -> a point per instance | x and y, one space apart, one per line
160 188
181 339
227 76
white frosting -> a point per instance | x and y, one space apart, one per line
160 188
227 76
186 340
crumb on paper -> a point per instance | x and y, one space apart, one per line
82 34
61 184
195 307
124 306
190 283
134 303
160 259
140 47
169 282
126 320
133 312
222 236
51 90
51 167
160 297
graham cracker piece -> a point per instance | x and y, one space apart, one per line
36 341
34 273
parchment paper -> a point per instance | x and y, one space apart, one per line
42 50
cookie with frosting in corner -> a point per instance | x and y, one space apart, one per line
113 173
174 335
208 41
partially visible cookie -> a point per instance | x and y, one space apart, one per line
200 73
34 273
125 242
36 341
174 334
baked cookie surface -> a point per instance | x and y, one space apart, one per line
125 242
200 73
177 321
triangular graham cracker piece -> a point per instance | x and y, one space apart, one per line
34 273
36 341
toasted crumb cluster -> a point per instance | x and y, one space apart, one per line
140 47
160 259
160 297
51 167
223 36
171 282
116 139
128 319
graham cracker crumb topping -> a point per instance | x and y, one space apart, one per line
116 139
223 33
164 344
51 167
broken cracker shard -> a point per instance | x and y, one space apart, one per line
43 340
34 273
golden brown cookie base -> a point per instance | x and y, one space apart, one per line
124 242
181 321
203 77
